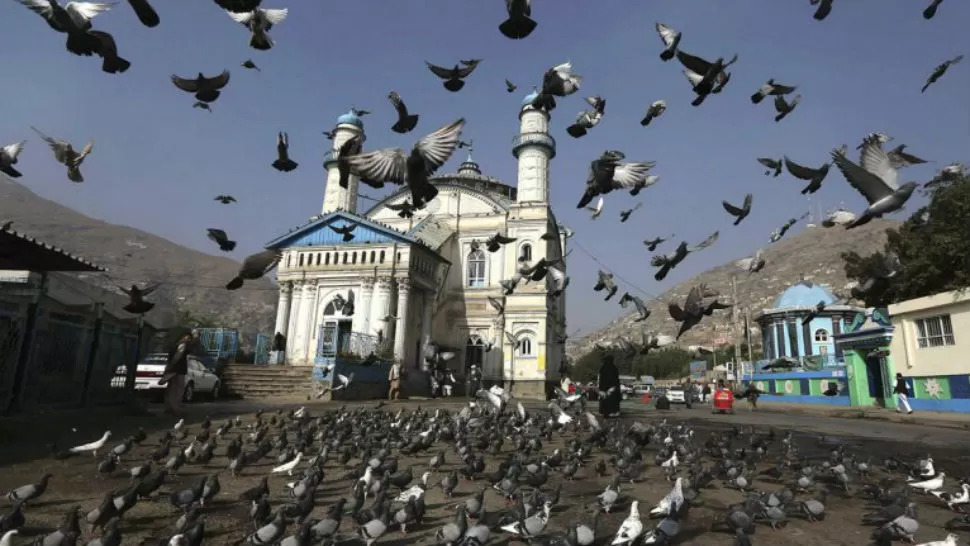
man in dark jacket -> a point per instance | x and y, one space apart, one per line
901 390
279 348
609 388
174 375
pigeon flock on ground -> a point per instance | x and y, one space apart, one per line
490 471
873 171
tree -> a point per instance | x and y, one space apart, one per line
933 247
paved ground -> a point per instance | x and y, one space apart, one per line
74 482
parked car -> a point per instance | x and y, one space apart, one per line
676 395
201 379
641 388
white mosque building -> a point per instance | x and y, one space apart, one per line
417 280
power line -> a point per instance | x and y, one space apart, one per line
615 274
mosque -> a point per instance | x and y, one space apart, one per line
402 283
784 335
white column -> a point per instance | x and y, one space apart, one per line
498 350
381 307
362 314
401 328
427 318
293 323
311 318
302 321
283 308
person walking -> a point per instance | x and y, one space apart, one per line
474 381
394 378
174 375
902 395
751 394
705 392
279 348
609 388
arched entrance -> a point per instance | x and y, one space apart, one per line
335 326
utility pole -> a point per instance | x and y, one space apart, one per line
734 321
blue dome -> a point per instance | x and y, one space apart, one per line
529 98
350 119
804 294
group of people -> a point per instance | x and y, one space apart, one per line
441 381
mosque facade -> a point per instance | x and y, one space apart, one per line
784 335
402 283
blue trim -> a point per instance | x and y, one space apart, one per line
952 406
541 140
959 387
803 387
825 374
816 400
284 241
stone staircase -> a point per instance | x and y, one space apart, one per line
253 382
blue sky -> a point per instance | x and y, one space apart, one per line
158 162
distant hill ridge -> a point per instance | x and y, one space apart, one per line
813 255
190 280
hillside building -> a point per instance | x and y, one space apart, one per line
784 335
402 283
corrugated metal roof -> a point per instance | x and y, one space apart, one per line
20 251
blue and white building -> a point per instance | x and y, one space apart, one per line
784 335
421 279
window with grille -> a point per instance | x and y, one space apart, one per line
526 253
934 332
525 347
821 335
476 269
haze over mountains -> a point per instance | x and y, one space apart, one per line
192 281
813 254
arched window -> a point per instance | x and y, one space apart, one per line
476 269
372 255
353 258
525 347
821 335
288 256
474 352
345 258
526 252
382 256
301 259
326 259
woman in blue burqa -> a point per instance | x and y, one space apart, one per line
609 387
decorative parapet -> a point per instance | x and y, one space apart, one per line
533 139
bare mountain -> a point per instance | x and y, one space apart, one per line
190 280
813 255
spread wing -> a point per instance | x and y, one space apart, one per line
82 12
13 150
60 147
784 89
218 82
351 146
875 160
189 86
242 18
464 71
437 147
692 305
748 200
732 210
149 289
502 239
385 165
868 184
629 175
770 163
799 171
40 7
667 34
403 205
706 242
443 73
275 16
694 63
781 105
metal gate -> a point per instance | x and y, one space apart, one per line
116 351
263 345
11 336
58 359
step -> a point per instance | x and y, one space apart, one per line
267 371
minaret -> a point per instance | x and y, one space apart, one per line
534 148
335 197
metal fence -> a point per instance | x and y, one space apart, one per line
58 358
220 342
261 353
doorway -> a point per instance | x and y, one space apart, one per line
876 380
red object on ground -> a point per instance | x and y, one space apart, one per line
572 388
645 398
723 401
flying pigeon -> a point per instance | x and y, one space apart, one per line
606 174
225 199
588 119
221 238
899 159
65 155
254 267
771 88
838 217
625 214
74 20
145 13
8 158
136 304
351 147
814 177
558 81
259 22
497 305
406 122
823 10
777 235
605 282
739 213
283 162
705 77
694 308
404 209
520 23
771 165
930 10
939 71
250 65
496 241
638 303
202 106
875 179
784 107
346 230
426 157
204 89
652 244
656 108
670 38
454 78
753 264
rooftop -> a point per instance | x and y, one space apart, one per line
19 251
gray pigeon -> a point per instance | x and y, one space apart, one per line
875 179
453 531
784 107
65 154
773 165
425 158
940 70
519 23
739 213
254 267
8 158
259 22
269 533
771 88
814 177
27 493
